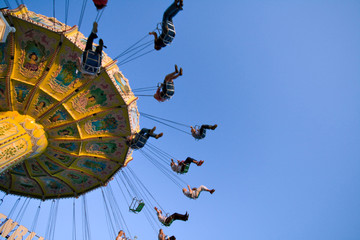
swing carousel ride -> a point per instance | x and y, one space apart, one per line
62 133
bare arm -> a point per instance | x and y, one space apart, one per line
155 35
190 190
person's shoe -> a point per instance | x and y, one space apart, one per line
181 72
212 191
213 127
94 29
152 130
181 4
159 135
200 162
186 216
176 68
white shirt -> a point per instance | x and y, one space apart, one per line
176 168
161 218
162 235
190 195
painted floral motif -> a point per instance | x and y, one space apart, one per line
121 82
94 166
7 129
89 100
65 77
63 158
43 101
59 115
77 178
51 166
4 127
26 184
10 151
110 124
19 169
69 131
107 148
46 21
70 146
35 169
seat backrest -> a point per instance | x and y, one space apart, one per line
92 63
170 90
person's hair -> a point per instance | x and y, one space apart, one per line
184 190
172 238
157 47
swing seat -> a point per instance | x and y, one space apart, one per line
170 90
92 63
5 28
136 206
186 169
168 224
138 142
198 136
168 36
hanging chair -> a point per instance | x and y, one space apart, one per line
136 205
92 63
186 169
168 36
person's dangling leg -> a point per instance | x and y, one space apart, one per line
189 160
152 134
202 188
99 48
170 12
91 38
178 216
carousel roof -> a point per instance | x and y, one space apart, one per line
86 119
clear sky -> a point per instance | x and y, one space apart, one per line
280 78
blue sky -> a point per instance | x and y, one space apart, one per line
281 79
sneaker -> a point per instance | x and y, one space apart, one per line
212 191
200 162
181 72
213 127
159 135
153 130
176 68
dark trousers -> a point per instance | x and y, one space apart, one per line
187 161
146 133
175 216
201 131
90 41
170 12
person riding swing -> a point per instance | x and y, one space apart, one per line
91 60
166 90
167 27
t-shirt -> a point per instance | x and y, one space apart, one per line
190 195
161 218
197 135
176 168
161 235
